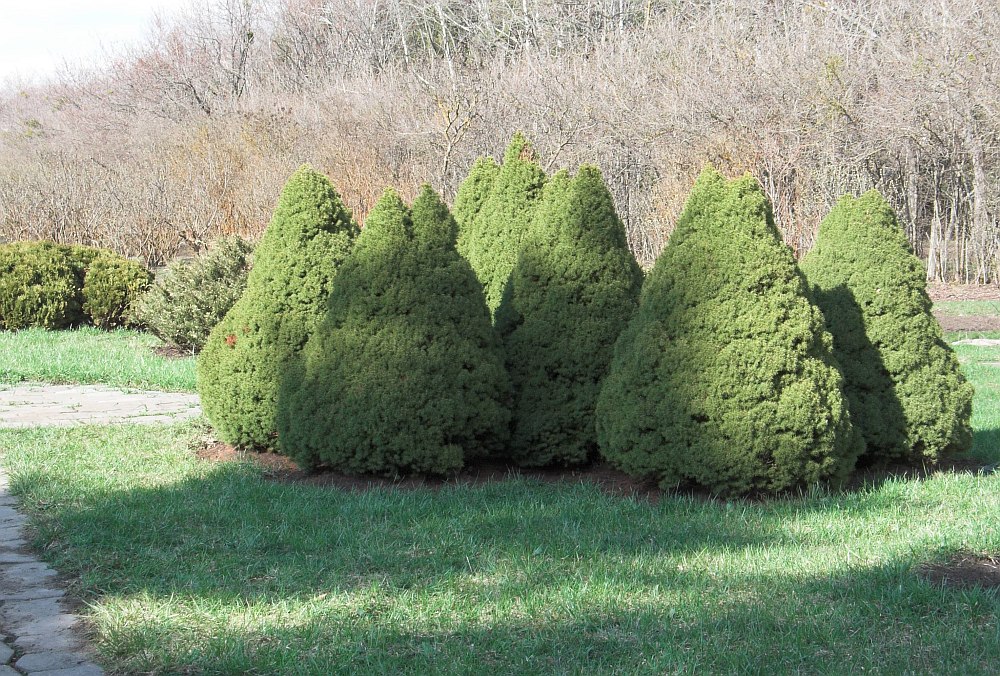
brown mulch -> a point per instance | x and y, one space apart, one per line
976 323
964 571
280 469
939 291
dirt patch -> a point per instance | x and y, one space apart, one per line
981 323
172 352
964 571
938 291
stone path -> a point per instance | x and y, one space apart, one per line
38 634
35 405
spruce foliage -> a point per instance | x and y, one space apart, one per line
492 239
907 394
472 195
405 373
247 353
724 377
575 286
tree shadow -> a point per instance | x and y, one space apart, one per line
772 622
871 393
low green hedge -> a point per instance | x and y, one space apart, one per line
55 286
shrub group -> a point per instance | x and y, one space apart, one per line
248 352
404 373
724 378
191 296
56 286
907 394
575 286
495 209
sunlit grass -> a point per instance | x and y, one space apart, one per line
194 567
968 308
88 355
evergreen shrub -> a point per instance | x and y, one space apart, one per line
38 286
907 394
246 355
405 373
191 296
491 240
110 285
724 377
575 286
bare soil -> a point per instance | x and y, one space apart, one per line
965 571
939 291
981 323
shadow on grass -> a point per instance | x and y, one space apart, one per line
881 618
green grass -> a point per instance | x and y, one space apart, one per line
88 355
195 567
968 308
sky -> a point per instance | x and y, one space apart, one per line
38 36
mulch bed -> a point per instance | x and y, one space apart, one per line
280 469
939 291
980 323
964 571
612 482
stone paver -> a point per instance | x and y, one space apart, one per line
33 617
35 405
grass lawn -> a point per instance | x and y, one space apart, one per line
88 355
194 567
968 308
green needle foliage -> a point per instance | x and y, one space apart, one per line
575 287
405 372
907 394
110 286
472 195
247 353
492 239
725 377
39 286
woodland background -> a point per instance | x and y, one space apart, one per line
192 133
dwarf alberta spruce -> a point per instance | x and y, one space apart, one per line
247 354
575 286
907 394
724 377
405 373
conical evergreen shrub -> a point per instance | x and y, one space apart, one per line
492 239
472 195
724 377
405 372
575 286
246 355
907 394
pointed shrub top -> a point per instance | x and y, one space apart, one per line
493 238
907 393
247 354
473 192
724 377
432 221
574 287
